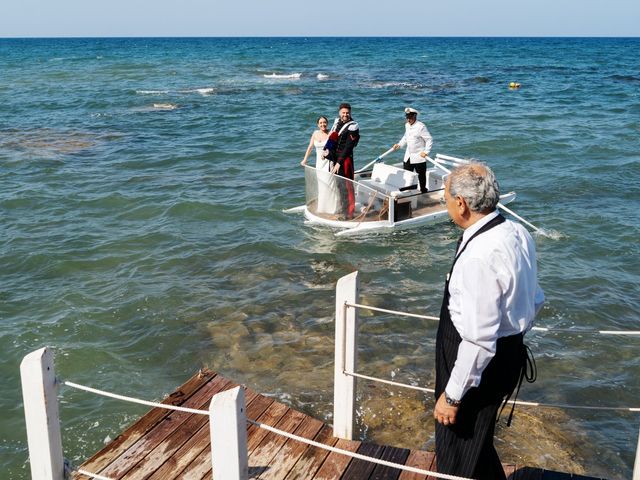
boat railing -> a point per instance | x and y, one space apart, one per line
336 199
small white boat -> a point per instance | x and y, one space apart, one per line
382 198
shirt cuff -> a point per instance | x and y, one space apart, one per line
453 392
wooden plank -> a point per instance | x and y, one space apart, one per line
336 463
312 458
390 454
292 450
272 443
271 417
362 469
181 459
418 459
132 434
264 410
136 452
434 468
194 446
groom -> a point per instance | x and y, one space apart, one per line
343 138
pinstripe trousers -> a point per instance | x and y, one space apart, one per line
466 448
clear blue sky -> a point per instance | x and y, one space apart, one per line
210 18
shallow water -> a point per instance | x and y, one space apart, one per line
143 234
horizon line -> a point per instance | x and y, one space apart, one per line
17 37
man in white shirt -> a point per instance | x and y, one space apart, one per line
418 141
491 298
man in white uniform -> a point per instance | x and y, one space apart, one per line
490 300
418 141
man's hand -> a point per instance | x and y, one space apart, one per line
444 413
396 146
336 168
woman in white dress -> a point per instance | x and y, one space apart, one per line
327 188
318 139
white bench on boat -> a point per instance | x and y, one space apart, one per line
388 178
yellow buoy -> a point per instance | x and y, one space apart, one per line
514 85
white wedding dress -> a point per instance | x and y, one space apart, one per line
328 196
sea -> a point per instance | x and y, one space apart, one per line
143 234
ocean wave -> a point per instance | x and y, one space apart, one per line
152 92
322 76
283 76
165 106
407 85
202 91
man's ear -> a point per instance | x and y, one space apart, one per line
461 205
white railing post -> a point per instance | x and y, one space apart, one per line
228 427
40 397
346 356
636 465
392 208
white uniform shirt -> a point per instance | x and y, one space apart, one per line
417 139
494 293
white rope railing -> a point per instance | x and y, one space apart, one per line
133 399
590 332
389 382
258 424
537 329
384 310
517 402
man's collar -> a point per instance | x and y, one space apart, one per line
469 231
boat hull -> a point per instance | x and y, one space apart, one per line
354 227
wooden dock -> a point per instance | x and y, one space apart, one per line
166 444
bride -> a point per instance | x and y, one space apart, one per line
327 188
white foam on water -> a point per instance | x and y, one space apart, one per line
393 85
165 106
322 76
152 92
552 234
290 76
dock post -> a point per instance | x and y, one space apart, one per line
636 465
228 428
40 397
346 356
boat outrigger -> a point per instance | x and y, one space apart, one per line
382 198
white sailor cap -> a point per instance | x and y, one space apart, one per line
409 110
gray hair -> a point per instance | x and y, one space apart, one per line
477 184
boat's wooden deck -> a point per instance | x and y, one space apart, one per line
167 444
427 203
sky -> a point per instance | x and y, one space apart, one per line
215 18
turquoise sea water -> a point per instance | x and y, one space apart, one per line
142 233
